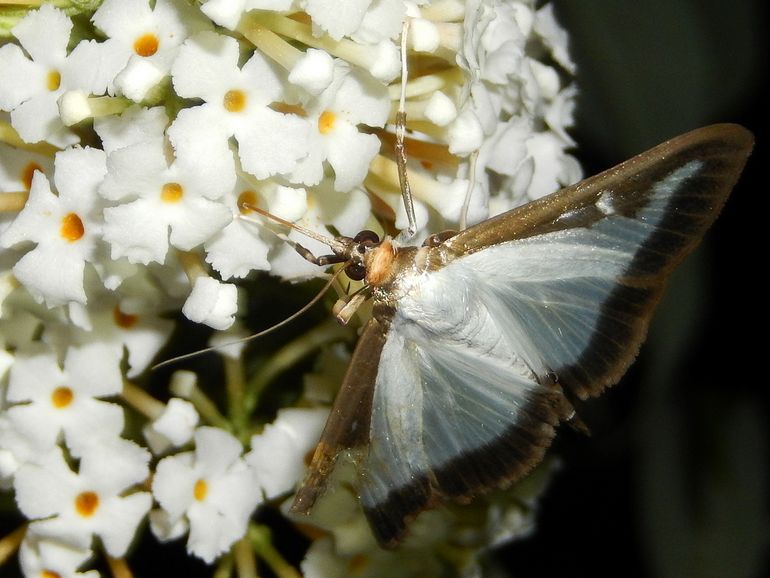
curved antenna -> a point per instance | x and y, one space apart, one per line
330 242
278 325
406 190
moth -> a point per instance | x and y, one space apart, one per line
481 339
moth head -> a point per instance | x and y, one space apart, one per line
362 244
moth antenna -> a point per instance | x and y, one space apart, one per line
406 191
330 242
469 191
262 333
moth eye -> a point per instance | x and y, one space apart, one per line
355 272
367 236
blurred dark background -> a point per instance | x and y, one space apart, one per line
674 482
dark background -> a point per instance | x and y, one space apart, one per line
674 480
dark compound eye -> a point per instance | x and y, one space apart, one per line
367 237
355 272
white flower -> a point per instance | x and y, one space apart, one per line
347 212
135 125
65 227
15 449
51 400
241 246
228 13
74 507
367 21
278 454
41 557
174 427
352 99
212 487
158 198
30 87
144 41
212 303
236 104
132 324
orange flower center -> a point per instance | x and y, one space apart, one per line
124 320
28 172
200 490
53 80
49 574
86 503
61 397
71 228
326 122
146 45
234 100
171 192
246 200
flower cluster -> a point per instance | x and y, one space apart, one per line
136 139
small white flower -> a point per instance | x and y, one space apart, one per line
212 487
30 87
228 13
347 212
162 203
15 449
278 454
174 427
212 303
135 125
236 104
74 507
367 21
51 400
353 98
144 41
140 329
42 557
65 227
241 247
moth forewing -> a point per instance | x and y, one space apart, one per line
465 370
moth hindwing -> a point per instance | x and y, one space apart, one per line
478 342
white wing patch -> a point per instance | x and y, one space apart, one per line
471 343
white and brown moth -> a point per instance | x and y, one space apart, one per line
480 338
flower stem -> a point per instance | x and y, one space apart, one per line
192 264
348 50
9 136
236 391
328 331
10 543
119 567
13 202
270 43
245 562
262 541
203 404
424 188
142 401
224 567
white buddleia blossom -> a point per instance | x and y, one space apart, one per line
152 155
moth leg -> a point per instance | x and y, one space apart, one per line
321 261
406 191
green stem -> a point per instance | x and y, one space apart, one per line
245 561
224 567
207 409
236 391
262 542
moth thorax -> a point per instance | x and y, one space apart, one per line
380 263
